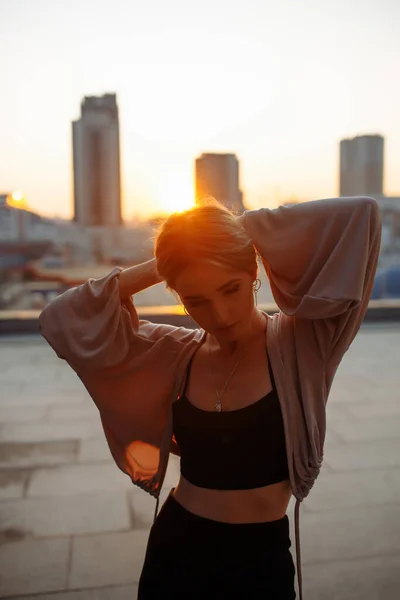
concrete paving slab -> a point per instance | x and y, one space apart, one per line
366 579
379 428
33 566
364 455
121 592
336 411
29 374
21 414
143 507
94 450
8 391
331 437
349 520
333 491
12 484
39 454
377 409
360 532
42 432
107 559
52 388
78 479
80 514
33 397
73 413
392 478
351 389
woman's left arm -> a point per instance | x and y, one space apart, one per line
321 259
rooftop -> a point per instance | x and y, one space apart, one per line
72 526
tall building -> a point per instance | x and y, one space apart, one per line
361 166
217 175
96 160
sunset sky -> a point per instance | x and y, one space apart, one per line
278 83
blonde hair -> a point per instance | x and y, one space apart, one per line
206 233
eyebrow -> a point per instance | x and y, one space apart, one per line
220 289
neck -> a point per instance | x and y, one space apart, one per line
257 325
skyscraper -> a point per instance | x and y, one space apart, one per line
96 160
217 175
361 166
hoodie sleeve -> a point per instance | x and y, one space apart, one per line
321 258
91 328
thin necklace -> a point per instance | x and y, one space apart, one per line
218 395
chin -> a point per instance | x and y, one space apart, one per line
235 333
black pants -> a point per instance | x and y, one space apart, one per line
190 557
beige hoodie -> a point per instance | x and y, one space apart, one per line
320 258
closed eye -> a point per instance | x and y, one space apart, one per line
198 302
233 290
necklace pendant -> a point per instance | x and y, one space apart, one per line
218 405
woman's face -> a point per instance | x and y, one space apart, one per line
219 299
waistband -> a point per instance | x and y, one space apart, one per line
281 527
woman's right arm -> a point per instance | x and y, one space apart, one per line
138 278
93 325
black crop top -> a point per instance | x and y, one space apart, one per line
231 450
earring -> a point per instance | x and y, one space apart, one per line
256 287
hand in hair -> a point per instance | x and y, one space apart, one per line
138 278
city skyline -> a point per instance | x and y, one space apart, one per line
362 165
218 176
96 163
279 86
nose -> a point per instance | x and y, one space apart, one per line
220 316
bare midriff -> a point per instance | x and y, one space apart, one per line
258 505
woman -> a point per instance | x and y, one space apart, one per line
241 398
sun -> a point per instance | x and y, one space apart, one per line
16 200
175 193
